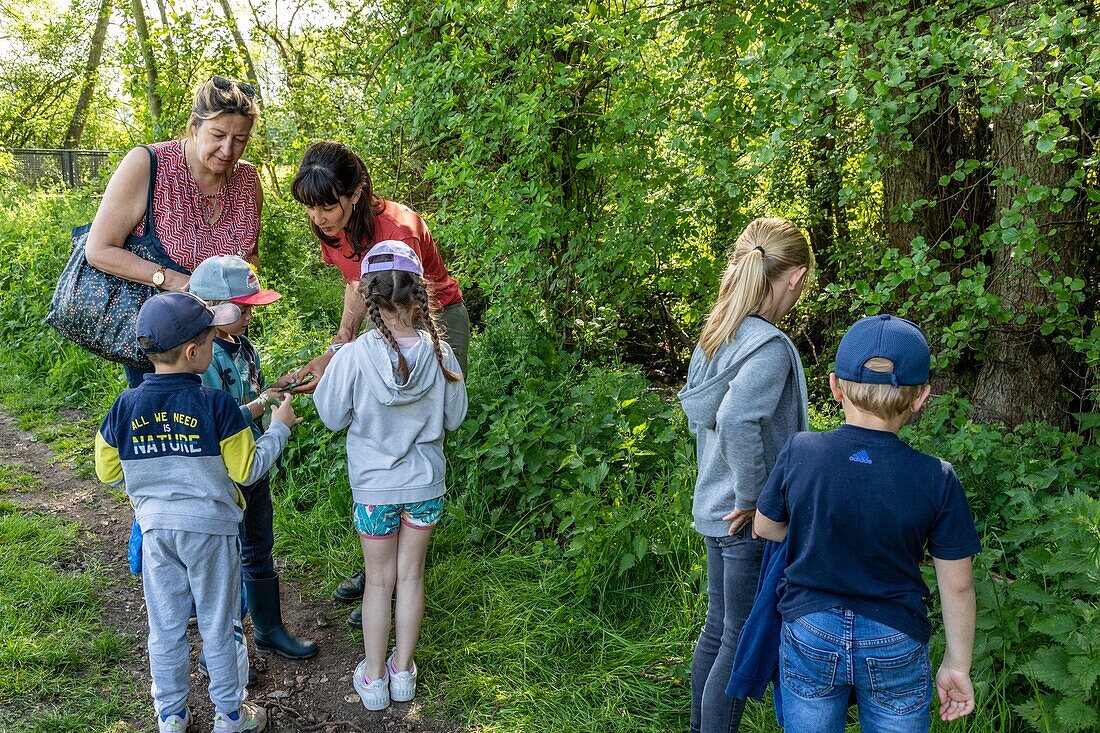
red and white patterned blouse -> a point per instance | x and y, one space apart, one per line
177 212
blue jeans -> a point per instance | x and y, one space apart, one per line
256 532
826 655
733 568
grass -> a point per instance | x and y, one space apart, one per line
59 663
520 634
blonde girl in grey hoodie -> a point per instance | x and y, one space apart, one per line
745 395
397 389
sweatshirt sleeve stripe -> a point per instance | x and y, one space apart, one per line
108 467
238 452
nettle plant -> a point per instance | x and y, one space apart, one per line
1033 493
574 457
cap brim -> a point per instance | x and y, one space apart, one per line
262 297
225 314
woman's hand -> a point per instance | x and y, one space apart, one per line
737 519
344 335
305 379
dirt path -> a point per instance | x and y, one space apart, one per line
311 696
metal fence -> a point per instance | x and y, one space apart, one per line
70 167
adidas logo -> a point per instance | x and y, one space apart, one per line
861 457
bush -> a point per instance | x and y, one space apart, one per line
1035 498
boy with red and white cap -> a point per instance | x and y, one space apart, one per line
235 369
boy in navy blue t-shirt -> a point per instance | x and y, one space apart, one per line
858 507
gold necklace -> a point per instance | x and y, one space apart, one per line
210 205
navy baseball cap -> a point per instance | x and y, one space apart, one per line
391 255
171 319
887 337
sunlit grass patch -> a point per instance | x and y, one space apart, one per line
17 477
59 664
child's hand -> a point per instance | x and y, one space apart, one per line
956 693
273 394
737 519
284 413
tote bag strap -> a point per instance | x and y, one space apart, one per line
149 224
148 246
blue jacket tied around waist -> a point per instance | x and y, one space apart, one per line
756 661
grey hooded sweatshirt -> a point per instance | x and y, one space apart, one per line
741 406
395 439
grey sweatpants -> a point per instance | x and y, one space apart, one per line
179 566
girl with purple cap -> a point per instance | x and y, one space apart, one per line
397 389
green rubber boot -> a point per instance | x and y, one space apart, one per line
269 633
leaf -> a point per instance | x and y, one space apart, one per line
592 477
1056 627
1050 667
1077 715
1086 670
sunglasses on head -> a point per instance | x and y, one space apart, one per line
225 84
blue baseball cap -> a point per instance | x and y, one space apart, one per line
391 255
171 319
887 337
227 277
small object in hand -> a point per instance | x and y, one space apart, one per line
299 382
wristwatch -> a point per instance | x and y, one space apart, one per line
158 278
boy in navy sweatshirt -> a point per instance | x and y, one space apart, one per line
858 508
180 447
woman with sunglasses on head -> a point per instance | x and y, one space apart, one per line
205 201
348 219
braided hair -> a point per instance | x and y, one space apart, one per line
393 290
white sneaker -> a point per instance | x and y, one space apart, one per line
250 719
375 694
402 684
175 723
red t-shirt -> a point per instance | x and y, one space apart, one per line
399 222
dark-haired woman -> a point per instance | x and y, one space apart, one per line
206 202
348 219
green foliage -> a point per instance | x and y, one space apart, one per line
588 456
45 51
52 637
1034 494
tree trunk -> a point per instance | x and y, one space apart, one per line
242 47
1022 378
75 130
151 92
170 45
1025 374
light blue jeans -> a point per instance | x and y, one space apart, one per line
824 656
